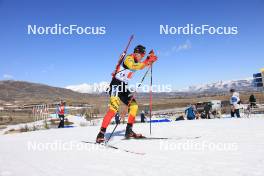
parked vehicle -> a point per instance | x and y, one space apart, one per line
216 106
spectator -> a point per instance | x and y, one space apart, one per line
252 101
207 110
61 112
235 102
198 115
181 117
142 116
190 112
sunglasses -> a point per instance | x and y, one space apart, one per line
142 54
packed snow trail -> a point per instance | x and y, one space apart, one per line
232 147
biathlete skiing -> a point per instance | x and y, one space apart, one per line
119 90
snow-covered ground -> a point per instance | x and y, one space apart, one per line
230 147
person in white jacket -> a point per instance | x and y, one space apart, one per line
235 103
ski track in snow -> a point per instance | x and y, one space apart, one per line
246 159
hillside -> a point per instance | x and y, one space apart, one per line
34 92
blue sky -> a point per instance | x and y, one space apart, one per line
62 60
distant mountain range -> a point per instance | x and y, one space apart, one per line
220 86
95 88
34 92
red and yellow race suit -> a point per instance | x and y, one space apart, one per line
119 91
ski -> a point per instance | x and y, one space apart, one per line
146 138
114 147
161 138
195 137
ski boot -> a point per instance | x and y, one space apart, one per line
131 134
100 137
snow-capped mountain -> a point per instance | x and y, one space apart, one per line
89 88
221 86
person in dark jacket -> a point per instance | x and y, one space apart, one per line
142 116
252 101
207 110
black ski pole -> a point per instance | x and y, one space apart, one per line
150 100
